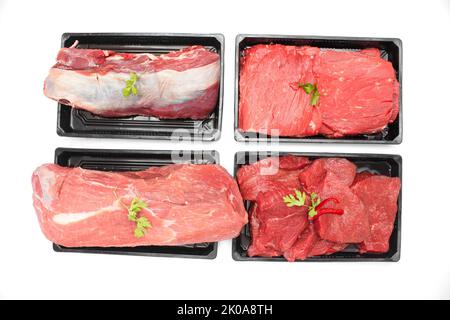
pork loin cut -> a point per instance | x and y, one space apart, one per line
180 84
185 204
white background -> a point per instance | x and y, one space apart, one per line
29 40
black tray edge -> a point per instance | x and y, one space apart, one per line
394 258
240 138
210 256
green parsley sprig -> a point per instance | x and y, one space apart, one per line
312 90
299 200
142 223
315 201
130 87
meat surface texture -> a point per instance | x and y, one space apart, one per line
267 104
269 174
179 84
185 204
275 228
358 90
379 195
332 177
369 203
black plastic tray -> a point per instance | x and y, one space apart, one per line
391 49
134 160
80 123
386 164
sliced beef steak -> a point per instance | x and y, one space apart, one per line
185 204
332 177
267 103
303 246
379 194
275 227
269 174
359 92
309 244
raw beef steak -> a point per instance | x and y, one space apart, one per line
379 195
359 92
268 174
267 104
309 244
332 177
275 227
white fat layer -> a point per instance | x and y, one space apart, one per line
67 218
47 179
104 92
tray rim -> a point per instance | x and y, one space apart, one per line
239 136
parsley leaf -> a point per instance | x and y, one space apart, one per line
142 223
130 85
311 89
315 97
299 200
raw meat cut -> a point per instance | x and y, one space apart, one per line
302 248
379 195
368 202
275 227
359 92
185 204
268 174
180 84
332 177
267 104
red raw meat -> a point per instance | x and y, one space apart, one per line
359 92
267 103
332 177
379 195
309 244
275 227
324 247
361 176
179 84
185 204
268 174
303 246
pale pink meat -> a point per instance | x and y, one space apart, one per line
186 204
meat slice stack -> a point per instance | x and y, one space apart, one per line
369 203
358 91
